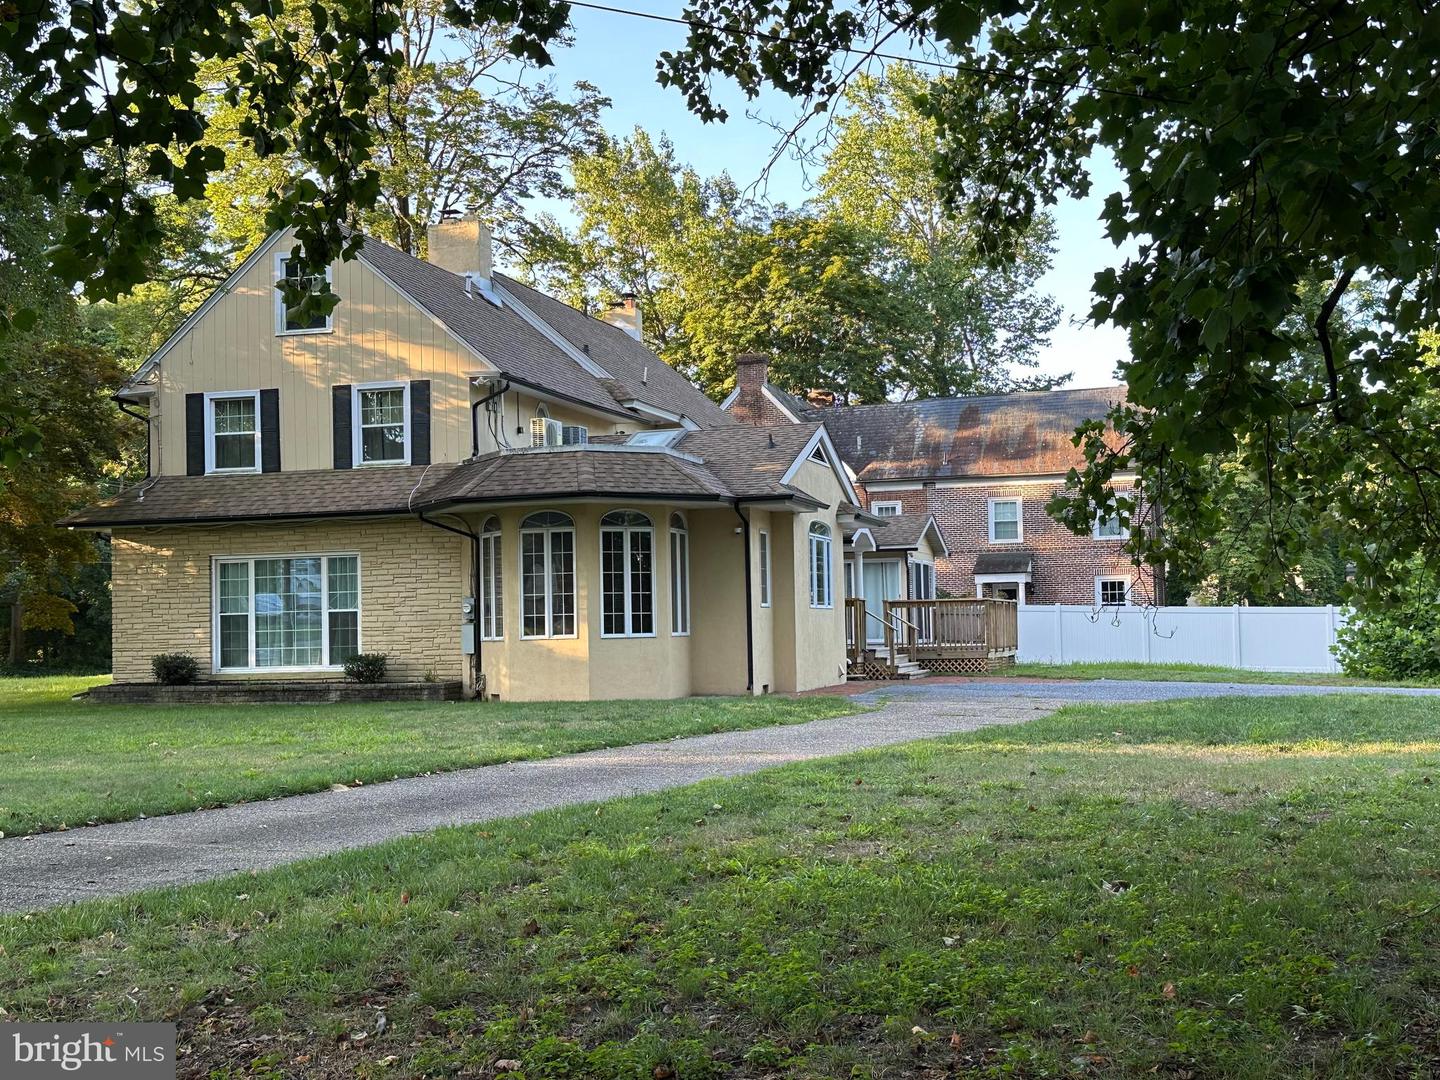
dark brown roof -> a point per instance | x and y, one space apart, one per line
560 472
902 532
260 496
750 461
1026 434
1004 562
507 340
711 464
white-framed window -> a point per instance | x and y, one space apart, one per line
1110 527
657 437
1005 521
380 423
285 612
627 575
286 321
492 571
679 577
547 575
822 570
885 509
232 432
764 568
1112 591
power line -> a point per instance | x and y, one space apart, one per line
785 39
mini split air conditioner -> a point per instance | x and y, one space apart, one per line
545 432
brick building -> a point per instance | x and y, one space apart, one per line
985 468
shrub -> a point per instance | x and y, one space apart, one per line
366 667
175 668
1400 640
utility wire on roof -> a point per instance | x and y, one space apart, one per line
785 39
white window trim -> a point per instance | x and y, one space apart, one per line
763 556
1019 519
627 530
357 434
1108 578
684 597
546 532
895 506
829 543
326 556
1123 534
230 395
491 601
281 258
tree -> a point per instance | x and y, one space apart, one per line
978 327
647 224
1262 145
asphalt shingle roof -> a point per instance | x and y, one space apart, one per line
901 531
1024 434
507 340
750 461
571 472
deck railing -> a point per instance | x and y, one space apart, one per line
934 629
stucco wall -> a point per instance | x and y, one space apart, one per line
411 582
809 642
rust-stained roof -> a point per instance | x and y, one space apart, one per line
1024 434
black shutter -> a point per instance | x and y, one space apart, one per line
340 411
269 430
195 434
420 422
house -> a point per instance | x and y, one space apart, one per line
497 491
983 468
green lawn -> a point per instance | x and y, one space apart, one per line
1223 888
67 763
1184 673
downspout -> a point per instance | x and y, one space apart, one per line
474 539
475 417
749 606
143 418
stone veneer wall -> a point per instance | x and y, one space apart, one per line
411 582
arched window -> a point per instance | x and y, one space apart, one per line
492 620
679 576
547 575
822 586
627 587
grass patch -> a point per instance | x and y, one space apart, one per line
1185 673
65 763
1230 888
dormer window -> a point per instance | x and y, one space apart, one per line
380 421
288 320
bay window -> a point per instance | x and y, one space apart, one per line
492 621
547 575
627 588
286 612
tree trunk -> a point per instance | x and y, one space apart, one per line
17 632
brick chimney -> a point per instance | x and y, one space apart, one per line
462 246
625 314
752 370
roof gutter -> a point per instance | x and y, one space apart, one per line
123 405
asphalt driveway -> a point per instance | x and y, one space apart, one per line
115 860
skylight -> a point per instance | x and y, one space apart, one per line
658 437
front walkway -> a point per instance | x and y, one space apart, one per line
114 860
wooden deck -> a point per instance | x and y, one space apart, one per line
955 636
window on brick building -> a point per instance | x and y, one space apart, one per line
1110 527
885 509
1112 592
1005 525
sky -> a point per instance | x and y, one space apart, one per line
617 54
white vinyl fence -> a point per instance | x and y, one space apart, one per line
1259 638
